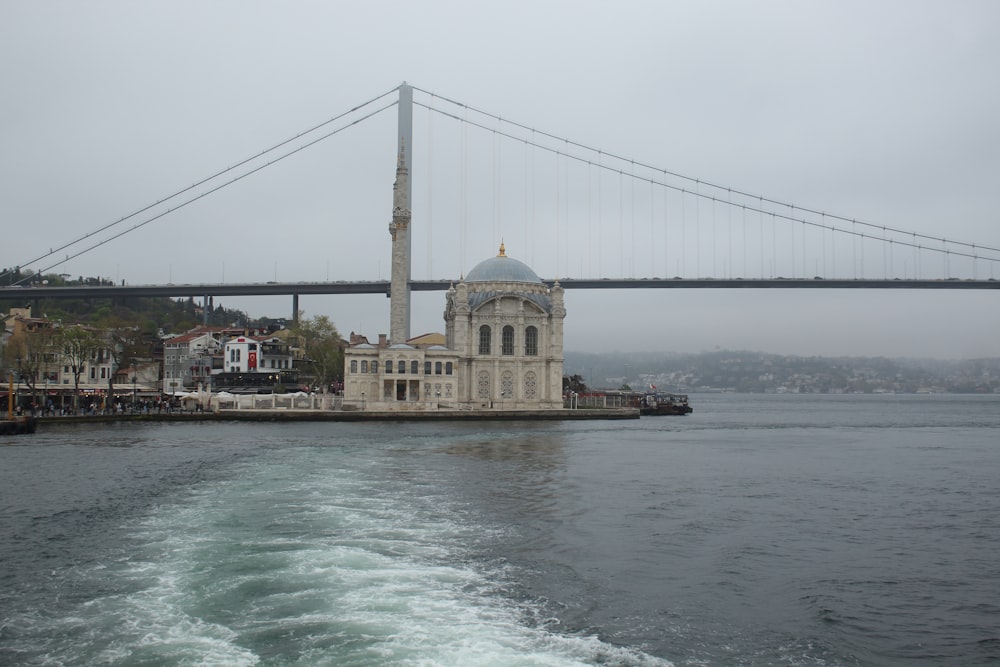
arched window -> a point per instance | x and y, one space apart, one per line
388 365
354 365
507 385
437 368
485 339
427 368
484 384
507 341
401 367
531 341
374 366
530 385
448 367
414 367
364 366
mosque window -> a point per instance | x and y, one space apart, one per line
414 367
437 368
364 365
530 385
374 366
401 367
427 368
448 368
507 385
485 339
531 341
354 365
388 365
484 384
507 341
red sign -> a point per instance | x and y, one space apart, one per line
252 360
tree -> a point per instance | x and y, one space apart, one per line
574 383
124 347
79 344
31 352
322 348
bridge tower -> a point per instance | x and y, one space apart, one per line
399 228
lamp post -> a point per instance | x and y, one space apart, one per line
133 392
362 401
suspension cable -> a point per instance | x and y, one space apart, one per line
691 179
53 251
759 209
214 189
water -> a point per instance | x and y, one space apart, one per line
793 530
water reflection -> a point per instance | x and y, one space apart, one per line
517 474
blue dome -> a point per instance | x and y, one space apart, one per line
502 269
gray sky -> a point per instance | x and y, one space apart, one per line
884 112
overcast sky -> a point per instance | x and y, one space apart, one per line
881 111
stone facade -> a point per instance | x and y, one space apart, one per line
503 343
504 349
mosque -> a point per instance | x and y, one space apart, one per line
503 346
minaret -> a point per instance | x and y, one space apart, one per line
399 228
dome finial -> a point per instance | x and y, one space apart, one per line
502 252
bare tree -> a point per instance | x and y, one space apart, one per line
79 345
30 352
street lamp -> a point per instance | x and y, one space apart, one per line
133 392
362 401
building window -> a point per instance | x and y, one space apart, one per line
507 385
484 339
374 366
414 367
484 384
354 365
388 366
364 365
531 342
427 390
437 368
447 390
448 366
427 368
530 385
401 367
507 341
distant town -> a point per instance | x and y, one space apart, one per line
757 372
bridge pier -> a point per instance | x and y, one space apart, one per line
295 309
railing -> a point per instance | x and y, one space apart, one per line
325 402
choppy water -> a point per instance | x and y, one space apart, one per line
792 530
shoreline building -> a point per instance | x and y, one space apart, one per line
503 343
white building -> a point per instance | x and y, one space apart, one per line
504 338
243 354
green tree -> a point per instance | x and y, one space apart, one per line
322 349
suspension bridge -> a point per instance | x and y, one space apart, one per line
585 216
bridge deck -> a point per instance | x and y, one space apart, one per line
382 286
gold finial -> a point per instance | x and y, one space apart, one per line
502 253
